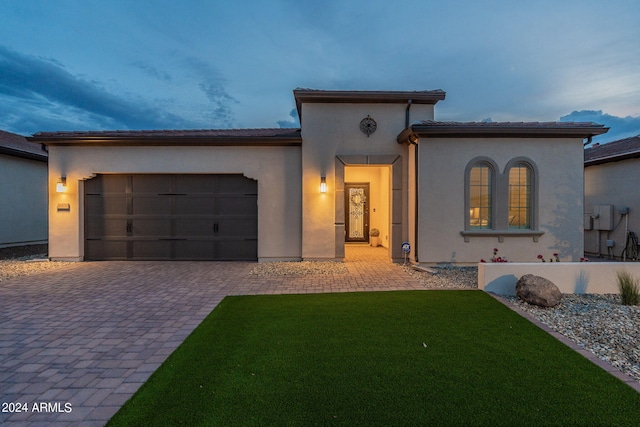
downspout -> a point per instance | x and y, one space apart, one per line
416 167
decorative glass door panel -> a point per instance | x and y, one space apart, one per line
357 212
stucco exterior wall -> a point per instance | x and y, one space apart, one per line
23 209
277 170
559 163
616 184
332 129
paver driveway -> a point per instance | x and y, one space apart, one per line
77 342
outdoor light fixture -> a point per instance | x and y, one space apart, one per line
323 184
61 186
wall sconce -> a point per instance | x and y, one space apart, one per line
323 184
61 186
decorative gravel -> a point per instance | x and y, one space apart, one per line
299 268
597 323
447 277
26 265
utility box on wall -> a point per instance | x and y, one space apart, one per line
603 217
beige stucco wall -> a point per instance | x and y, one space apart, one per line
332 129
442 206
23 208
277 170
616 184
569 277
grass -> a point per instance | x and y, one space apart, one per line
389 358
628 287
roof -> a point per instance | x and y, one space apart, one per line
613 151
17 145
303 95
431 128
213 137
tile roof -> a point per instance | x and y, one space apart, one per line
505 129
613 151
18 145
278 136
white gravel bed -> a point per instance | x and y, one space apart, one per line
27 265
446 277
299 268
598 323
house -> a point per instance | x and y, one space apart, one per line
446 192
611 198
23 187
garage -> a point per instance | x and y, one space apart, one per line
171 217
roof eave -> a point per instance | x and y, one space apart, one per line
24 154
294 140
512 131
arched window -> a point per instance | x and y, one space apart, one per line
480 200
520 196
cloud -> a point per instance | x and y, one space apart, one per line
31 86
211 83
620 127
295 123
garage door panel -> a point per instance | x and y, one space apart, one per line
145 217
235 250
236 184
192 184
151 184
105 227
194 205
195 227
107 184
151 205
160 228
105 249
151 249
239 227
194 250
236 205
114 205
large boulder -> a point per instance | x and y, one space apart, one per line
538 291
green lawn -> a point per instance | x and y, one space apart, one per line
381 358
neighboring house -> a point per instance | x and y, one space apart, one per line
611 197
23 188
361 160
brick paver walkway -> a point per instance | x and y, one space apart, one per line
77 342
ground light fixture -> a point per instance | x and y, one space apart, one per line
323 184
61 186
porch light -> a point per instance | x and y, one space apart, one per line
61 186
323 184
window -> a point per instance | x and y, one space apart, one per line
520 196
480 201
501 204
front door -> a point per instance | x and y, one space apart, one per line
357 212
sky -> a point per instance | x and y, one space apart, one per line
217 64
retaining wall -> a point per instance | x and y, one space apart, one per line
570 277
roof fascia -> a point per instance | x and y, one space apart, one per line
483 131
366 97
169 141
24 154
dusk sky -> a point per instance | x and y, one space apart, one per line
194 64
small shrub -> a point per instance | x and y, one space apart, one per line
628 287
374 232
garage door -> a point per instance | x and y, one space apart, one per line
171 217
